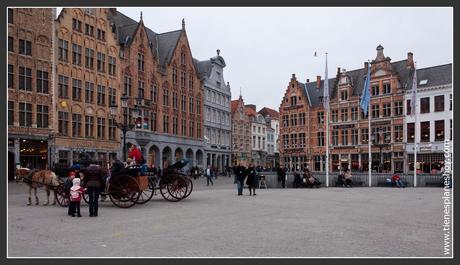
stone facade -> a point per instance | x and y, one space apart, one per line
30 86
434 119
217 112
241 133
86 81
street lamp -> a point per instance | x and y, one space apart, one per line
380 144
125 126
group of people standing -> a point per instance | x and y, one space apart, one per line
250 175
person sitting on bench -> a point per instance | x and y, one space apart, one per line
341 179
396 179
348 179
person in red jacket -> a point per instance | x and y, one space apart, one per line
397 180
135 154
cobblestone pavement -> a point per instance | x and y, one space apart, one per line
215 222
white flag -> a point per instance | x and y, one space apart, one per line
413 101
326 90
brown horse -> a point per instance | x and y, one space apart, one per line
41 178
21 173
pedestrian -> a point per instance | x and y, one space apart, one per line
251 180
282 176
209 176
75 197
349 181
94 182
341 179
240 176
67 186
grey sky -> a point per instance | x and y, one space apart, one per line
264 46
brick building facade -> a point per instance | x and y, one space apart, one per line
161 80
86 80
30 86
241 133
303 143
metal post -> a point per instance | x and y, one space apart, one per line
124 142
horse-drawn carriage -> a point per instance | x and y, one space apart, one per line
125 186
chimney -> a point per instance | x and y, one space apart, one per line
113 11
308 80
252 106
338 70
318 81
410 59
366 65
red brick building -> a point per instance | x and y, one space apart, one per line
30 86
348 129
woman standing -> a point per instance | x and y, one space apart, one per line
94 182
252 180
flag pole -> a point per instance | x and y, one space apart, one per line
327 127
369 142
414 99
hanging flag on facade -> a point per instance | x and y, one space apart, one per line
366 95
413 100
326 90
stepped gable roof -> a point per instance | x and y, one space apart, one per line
234 105
357 77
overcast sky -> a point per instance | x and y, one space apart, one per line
263 47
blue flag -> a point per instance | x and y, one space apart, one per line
366 95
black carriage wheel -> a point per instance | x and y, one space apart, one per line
189 186
147 194
178 187
86 198
163 186
124 191
61 197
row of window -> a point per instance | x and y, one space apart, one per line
425 104
77 55
218 137
425 131
217 98
169 98
183 79
89 126
89 30
183 127
25 79
217 116
25 114
25 46
259 141
89 91
380 135
259 129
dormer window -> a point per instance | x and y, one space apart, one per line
140 62
344 94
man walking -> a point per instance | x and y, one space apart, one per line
209 176
240 176
282 176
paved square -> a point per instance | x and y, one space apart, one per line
215 222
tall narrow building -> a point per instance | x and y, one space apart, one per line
87 80
217 118
241 133
30 87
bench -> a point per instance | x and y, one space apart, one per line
384 183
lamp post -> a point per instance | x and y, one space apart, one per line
125 126
380 144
